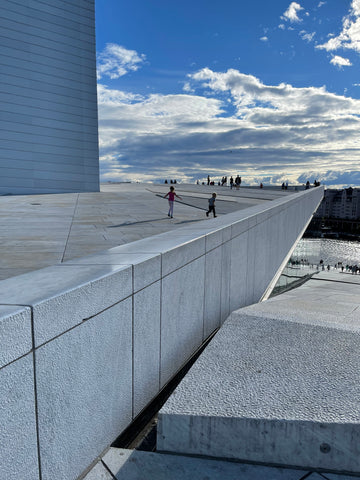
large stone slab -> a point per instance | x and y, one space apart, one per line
18 443
84 391
270 390
15 333
63 296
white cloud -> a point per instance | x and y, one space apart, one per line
291 14
115 61
270 130
320 4
340 61
309 37
349 37
264 39
282 26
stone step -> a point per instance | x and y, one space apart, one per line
273 391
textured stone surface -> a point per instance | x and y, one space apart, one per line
42 231
84 391
146 346
182 315
146 266
15 333
212 309
275 390
63 296
91 377
18 452
136 465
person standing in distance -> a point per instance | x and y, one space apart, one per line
171 197
212 205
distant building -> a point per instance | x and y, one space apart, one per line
344 204
48 126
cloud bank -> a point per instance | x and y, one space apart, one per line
228 123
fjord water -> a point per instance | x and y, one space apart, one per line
329 250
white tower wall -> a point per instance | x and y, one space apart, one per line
48 121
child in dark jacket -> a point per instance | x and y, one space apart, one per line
211 205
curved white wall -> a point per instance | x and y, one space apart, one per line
87 344
48 122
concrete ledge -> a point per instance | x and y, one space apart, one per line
278 384
111 329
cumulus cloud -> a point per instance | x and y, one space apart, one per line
232 122
291 14
264 39
340 61
115 61
349 37
309 37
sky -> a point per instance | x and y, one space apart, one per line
266 90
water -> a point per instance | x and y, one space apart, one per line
331 251
313 250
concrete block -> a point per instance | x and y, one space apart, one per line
251 273
84 388
212 308
146 346
176 249
240 226
146 266
260 252
239 275
63 296
213 240
135 465
18 453
15 333
182 254
270 391
182 314
218 237
226 265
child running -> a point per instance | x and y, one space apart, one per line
171 196
211 205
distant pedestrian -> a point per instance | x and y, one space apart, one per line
231 183
171 197
212 205
208 180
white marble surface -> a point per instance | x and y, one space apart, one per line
146 346
212 294
278 375
63 296
84 391
18 443
86 372
182 317
15 333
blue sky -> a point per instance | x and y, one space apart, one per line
267 90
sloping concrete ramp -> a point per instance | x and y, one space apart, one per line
277 385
